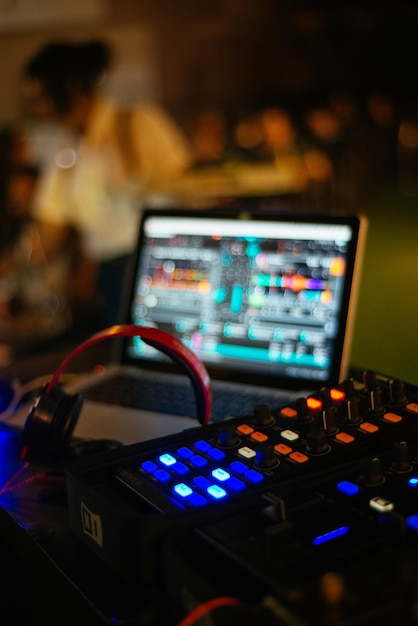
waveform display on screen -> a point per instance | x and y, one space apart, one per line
295 282
248 299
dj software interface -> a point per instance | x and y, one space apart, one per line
269 301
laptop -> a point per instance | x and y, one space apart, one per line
266 300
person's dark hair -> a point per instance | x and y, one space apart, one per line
62 67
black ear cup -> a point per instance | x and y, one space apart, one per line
49 426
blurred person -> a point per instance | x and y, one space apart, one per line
247 135
10 224
33 296
209 137
325 136
307 148
100 176
325 130
343 103
283 142
350 164
267 135
279 135
18 171
269 140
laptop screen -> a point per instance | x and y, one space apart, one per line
262 299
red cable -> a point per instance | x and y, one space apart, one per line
208 606
173 346
11 484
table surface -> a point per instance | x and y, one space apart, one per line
34 527
52 569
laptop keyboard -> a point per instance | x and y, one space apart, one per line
177 397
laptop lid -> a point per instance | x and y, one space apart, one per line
263 299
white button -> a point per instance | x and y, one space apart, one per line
381 505
290 435
248 453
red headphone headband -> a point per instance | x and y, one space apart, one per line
170 345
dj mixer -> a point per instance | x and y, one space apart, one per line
308 513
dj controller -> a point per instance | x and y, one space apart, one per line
307 514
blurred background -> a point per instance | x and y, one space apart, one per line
334 82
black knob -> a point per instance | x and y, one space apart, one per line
400 463
328 421
265 458
304 414
227 437
373 474
397 393
262 416
348 387
352 408
376 406
370 380
325 396
316 440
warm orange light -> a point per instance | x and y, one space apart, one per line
337 395
337 267
408 135
326 296
204 286
314 404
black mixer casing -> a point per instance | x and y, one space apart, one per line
278 500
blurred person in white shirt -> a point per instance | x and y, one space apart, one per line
109 161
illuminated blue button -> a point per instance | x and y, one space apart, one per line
216 454
202 445
348 488
180 468
216 492
149 467
198 461
220 474
201 482
332 534
162 475
196 499
238 467
185 453
235 484
412 522
254 477
183 490
413 482
167 459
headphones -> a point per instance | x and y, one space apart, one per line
54 414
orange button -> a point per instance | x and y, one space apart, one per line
260 437
412 406
244 429
282 448
288 412
314 404
344 438
367 427
394 418
299 457
337 395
